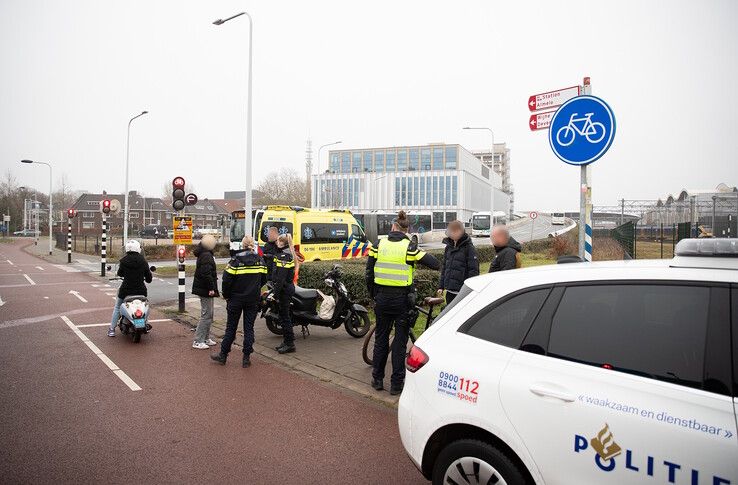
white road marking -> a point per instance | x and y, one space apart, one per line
40 268
46 298
107 324
10 262
2 302
29 279
76 293
67 269
106 360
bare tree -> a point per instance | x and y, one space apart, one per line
285 187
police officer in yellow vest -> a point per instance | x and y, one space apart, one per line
389 278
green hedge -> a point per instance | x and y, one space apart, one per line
163 252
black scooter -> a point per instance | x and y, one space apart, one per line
303 309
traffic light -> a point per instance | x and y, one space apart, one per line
71 213
181 253
105 204
178 193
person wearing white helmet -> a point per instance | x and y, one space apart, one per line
135 271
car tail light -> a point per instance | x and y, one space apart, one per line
416 359
138 313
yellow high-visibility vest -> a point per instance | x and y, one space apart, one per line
391 268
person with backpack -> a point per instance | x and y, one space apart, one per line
460 261
205 285
507 250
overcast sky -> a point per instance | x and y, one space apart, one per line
375 73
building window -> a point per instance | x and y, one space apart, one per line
401 160
334 163
448 190
485 171
424 156
390 161
422 190
435 190
428 191
451 157
356 192
454 190
93 202
88 225
403 195
133 215
397 191
414 158
88 215
437 158
379 161
346 162
450 216
415 190
438 220
368 164
356 162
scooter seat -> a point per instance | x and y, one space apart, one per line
135 297
306 293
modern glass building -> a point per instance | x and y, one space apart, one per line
447 180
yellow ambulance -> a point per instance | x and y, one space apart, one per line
318 235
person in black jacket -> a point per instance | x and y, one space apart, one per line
270 249
205 285
283 276
134 270
459 261
242 281
507 249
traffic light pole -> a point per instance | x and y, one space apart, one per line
69 240
104 245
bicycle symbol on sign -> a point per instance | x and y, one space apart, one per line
593 131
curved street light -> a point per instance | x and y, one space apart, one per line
51 203
125 195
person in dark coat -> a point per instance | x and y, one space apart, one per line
242 281
270 249
507 249
460 261
283 277
135 272
205 285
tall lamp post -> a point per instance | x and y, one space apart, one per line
125 196
317 170
491 176
248 223
51 204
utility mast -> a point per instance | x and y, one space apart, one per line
309 171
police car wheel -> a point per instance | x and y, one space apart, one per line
473 462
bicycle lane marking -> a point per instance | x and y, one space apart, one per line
99 353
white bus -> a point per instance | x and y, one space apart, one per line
481 224
558 219
377 224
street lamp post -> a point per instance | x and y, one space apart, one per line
317 170
491 176
247 181
51 203
125 195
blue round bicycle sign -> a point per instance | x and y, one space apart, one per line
582 130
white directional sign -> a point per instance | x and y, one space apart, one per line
552 99
533 215
540 121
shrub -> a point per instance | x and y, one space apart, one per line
606 249
564 245
163 252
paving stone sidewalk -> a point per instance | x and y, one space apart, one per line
330 355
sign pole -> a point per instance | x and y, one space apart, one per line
69 240
104 245
585 201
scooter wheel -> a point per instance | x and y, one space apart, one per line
357 324
274 326
136 337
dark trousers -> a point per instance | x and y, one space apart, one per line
450 297
235 307
391 309
285 319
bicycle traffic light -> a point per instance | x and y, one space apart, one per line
71 213
105 205
178 193
181 253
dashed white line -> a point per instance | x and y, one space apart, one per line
80 297
29 279
106 360
40 268
10 262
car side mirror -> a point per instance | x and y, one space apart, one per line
152 268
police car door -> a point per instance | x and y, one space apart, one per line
627 383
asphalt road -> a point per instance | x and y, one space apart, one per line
80 407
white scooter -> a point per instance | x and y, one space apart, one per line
134 315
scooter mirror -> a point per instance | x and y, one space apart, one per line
152 269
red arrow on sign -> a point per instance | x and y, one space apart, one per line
540 121
552 99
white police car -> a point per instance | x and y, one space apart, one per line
584 373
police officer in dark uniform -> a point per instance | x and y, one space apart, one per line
283 276
270 249
389 278
242 281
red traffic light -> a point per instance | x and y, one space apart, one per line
181 253
71 213
178 183
106 206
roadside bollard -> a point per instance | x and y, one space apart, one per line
181 276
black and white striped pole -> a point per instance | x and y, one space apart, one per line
70 215
181 277
105 205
